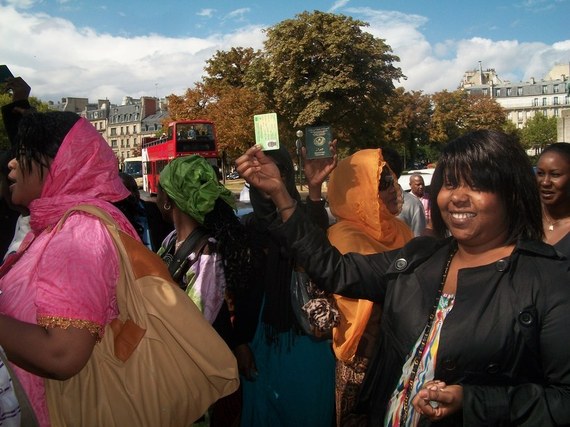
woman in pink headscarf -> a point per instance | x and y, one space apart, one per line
58 290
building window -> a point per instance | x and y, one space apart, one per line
497 92
520 115
535 102
544 89
556 112
519 91
555 100
567 99
134 128
555 88
113 143
486 92
545 112
113 131
509 91
544 101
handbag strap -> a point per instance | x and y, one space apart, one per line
179 264
115 234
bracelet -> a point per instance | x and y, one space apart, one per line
293 206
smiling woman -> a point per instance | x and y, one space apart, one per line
553 177
486 275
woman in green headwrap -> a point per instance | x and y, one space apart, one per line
215 262
215 257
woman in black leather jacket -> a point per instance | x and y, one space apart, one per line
475 327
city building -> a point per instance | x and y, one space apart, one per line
549 96
124 126
98 115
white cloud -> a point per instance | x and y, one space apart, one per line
338 4
59 59
432 68
237 14
99 66
207 13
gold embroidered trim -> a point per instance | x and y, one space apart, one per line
66 322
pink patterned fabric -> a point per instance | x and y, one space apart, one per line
68 277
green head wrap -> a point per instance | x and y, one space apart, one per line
192 184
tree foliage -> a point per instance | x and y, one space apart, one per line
539 131
229 68
409 118
323 68
455 113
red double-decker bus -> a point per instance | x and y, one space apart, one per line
184 137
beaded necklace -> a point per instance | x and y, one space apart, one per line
420 350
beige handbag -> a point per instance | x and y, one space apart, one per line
159 364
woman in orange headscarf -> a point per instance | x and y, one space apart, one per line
364 196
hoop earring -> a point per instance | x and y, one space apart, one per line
166 206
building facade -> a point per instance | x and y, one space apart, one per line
124 126
549 96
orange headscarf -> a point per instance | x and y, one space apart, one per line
364 225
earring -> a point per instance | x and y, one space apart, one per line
166 206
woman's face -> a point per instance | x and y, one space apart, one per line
387 191
553 177
475 218
25 186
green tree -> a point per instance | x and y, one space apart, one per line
407 128
5 99
538 132
457 112
229 68
323 68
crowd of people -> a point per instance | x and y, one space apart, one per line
453 308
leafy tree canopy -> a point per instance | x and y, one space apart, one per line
455 113
323 68
229 68
409 118
539 131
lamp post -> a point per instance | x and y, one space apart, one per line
298 145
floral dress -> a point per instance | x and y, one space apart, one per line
425 371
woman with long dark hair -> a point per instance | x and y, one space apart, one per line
287 375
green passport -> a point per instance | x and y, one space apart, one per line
317 140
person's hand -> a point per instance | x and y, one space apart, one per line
317 170
260 171
437 400
245 362
20 89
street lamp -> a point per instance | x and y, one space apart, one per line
298 145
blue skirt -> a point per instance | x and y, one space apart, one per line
295 383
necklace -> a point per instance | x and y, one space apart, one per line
551 223
420 351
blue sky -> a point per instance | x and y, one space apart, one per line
113 49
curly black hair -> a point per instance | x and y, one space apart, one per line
233 244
